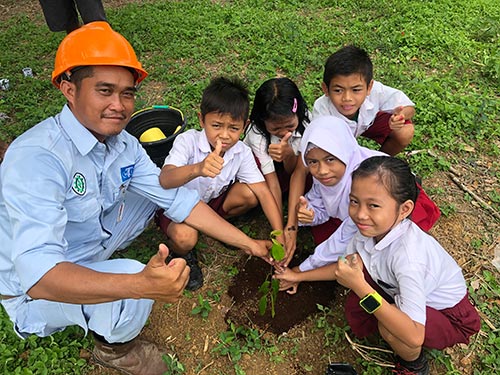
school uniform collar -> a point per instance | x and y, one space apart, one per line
367 105
205 147
394 234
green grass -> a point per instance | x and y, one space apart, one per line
443 54
57 354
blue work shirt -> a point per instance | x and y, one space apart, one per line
59 193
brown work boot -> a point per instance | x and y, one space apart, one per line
136 357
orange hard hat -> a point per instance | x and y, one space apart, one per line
95 43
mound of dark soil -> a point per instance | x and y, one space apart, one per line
290 310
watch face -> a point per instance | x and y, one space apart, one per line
370 303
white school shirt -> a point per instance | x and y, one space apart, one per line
192 147
257 142
412 268
329 250
381 98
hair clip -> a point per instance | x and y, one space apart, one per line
294 108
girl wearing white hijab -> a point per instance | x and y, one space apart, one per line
331 153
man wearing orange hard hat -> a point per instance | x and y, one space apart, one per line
74 189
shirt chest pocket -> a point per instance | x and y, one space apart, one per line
117 196
80 211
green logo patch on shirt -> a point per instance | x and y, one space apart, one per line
79 185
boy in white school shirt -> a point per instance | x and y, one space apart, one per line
372 110
218 165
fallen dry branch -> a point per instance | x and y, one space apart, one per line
367 352
454 174
204 368
485 319
475 196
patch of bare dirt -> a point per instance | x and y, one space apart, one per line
32 9
11 8
290 310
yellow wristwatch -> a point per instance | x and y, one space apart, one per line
371 302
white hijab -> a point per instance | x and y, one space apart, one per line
334 136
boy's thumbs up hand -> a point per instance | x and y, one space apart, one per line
304 214
281 151
397 120
218 148
213 163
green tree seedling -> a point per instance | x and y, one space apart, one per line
270 287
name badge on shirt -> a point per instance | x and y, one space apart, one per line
127 172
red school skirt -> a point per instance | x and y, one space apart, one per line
443 328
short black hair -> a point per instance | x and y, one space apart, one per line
346 61
79 73
226 95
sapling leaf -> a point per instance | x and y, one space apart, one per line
275 241
277 251
263 304
275 285
264 287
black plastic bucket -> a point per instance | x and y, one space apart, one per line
168 119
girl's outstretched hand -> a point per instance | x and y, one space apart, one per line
288 277
289 287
